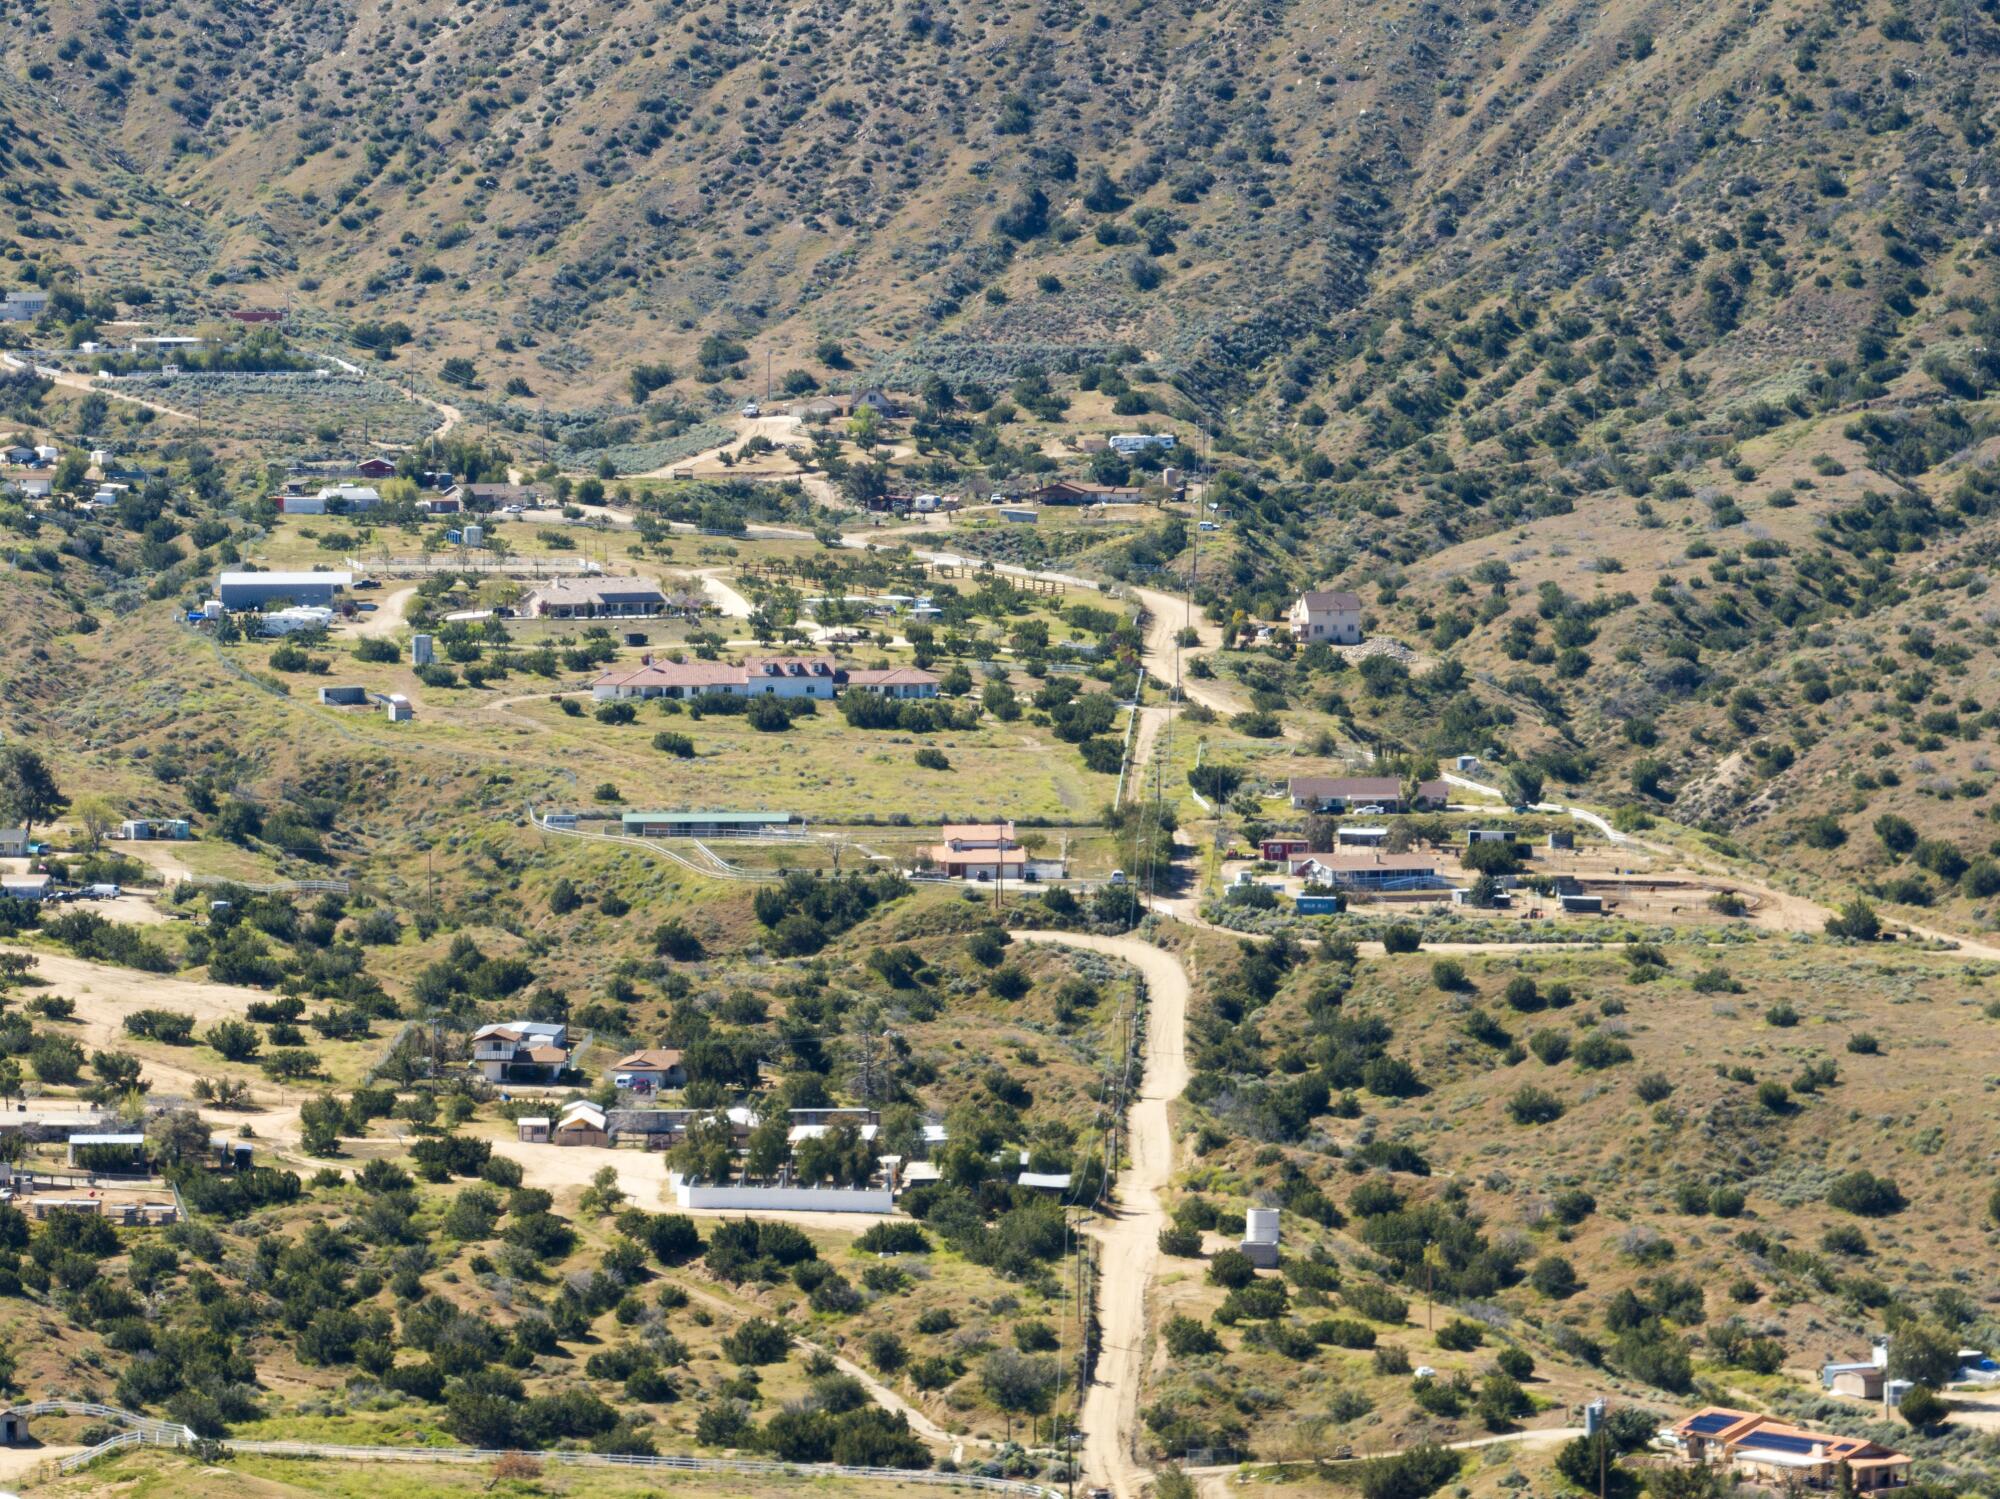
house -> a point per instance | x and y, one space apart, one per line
595 598
16 456
1278 850
711 824
521 1051
1777 1454
1260 1237
32 486
23 306
581 1123
896 681
1083 492
440 504
986 851
1370 871
253 590
1327 616
1343 793
649 1070
777 676
13 843
532 1129
375 468
26 886
496 496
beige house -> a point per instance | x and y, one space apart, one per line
1325 616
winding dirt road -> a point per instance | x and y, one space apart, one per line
1128 1237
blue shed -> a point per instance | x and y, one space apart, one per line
1319 905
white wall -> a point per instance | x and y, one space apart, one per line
786 1199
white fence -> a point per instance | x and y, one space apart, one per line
146 1431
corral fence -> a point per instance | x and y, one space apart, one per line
276 887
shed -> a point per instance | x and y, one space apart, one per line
1562 838
1319 905
13 843
247 590
1582 905
533 1130
1044 1181
27 887
343 697
14 1428
1018 515
133 1145
582 1124
1361 837
1488 835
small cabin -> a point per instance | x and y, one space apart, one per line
14 1429
533 1131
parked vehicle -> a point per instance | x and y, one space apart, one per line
100 892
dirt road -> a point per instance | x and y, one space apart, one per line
387 616
1129 1238
1169 614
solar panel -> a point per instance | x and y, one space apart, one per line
1771 1441
1710 1424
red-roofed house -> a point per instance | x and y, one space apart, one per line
1769 1451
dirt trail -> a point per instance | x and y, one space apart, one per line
1129 1237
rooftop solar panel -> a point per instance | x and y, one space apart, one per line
1707 1425
1771 1441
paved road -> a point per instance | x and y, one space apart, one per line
1129 1237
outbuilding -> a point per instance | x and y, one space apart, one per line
253 590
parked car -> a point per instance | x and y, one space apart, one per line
1207 525
752 409
100 892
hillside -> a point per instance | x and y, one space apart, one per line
1265 198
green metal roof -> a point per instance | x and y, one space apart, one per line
643 817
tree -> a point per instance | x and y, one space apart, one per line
1524 784
177 1135
1922 1408
235 1040
320 1123
28 790
98 818
1018 1383
1924 1353
1856 921
1217 782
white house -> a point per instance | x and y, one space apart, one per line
1326 616
521 1051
